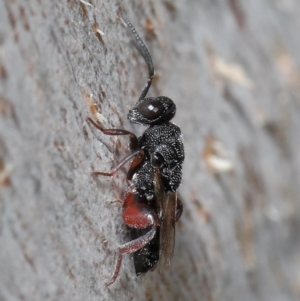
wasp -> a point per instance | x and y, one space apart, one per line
150 205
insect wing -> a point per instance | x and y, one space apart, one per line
166 208
167 229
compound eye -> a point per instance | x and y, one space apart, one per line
151 108
157 160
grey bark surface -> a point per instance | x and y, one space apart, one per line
232 68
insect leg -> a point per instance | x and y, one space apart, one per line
128 248
115 132
142 48
122 163
140 216
136 162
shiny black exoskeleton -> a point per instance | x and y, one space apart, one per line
151 206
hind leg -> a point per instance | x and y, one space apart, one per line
139 216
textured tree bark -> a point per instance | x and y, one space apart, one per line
232 68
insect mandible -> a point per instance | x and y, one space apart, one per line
151 206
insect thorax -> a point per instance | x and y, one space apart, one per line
162 141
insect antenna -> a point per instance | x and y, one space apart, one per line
143 50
